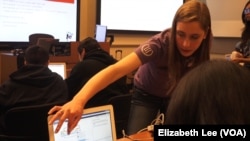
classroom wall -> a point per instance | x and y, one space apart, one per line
226 17
224 14
226 24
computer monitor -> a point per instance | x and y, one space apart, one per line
100 33
58 67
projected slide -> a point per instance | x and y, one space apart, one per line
67 1
20 18
138 15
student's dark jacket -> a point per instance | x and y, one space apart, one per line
32 85
93 62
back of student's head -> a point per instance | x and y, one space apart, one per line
36 55
88 44
215 92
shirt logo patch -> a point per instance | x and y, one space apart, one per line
146 50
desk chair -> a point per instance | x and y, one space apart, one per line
27 123
121 105
33 38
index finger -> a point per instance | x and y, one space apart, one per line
54 109
58 116
55 116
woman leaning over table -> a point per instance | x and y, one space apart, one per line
161 62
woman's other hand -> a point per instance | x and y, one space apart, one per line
236 56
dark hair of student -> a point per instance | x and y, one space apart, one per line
215 92
189 12
88 44
36 55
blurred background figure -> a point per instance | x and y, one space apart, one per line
241 53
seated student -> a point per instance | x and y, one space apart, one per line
241 54
92 60
32 84
216 92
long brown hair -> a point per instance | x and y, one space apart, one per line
190 11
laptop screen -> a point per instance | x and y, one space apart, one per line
93 125
59 68
100 33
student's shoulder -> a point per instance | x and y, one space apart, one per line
90 62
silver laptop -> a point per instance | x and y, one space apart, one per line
96 124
